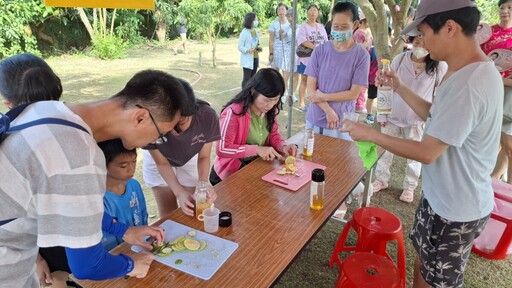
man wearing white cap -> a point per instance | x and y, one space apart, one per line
459 146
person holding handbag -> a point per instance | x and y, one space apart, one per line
311 35
501 38
249 47
423 75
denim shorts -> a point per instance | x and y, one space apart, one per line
443 246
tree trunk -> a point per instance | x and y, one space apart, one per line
376 17
161 31
112 22
85 20
213 43
42 35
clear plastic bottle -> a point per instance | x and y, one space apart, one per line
201 196
385 91
316 194
309 142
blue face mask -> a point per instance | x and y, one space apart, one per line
255 24
341 36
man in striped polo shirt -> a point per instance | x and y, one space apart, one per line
52 179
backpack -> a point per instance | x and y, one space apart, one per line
6 129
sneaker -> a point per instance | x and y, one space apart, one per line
295 99
174 51
377 186
361 111
369 119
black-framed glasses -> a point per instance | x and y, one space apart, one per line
161 138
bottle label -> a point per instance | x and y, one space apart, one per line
384 100
313 192
311 145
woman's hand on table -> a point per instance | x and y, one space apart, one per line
267 153
135 235
185 200
290 150
358 131
141 263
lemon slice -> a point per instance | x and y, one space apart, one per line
290 160
191 244
291 168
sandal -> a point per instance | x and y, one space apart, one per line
407 196
378 185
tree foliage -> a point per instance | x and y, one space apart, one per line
16 18
490 11
213 16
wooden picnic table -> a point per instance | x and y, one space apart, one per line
271 224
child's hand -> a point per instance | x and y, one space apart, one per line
141 263
135 235
43 271
185 200
212 195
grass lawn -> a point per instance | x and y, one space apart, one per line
86 78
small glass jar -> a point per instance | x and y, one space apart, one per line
309 142
201 196
316 194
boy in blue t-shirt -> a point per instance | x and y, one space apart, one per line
124 199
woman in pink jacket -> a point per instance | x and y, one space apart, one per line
248 126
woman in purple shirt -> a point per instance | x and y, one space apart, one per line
337 72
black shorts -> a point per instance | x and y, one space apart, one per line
56 258
443 246
372 91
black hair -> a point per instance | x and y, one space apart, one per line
249 20
344 7
155 90
468 18
113 148
281 4
313 5
267 82
430 64
26 78
191 105
501 2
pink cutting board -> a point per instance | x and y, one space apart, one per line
290 181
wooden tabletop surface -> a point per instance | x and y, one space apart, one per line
270 224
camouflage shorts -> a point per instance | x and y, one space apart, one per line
443 246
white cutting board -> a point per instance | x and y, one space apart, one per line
202 264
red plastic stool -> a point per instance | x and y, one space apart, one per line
495 240
375 227
502 190
370 270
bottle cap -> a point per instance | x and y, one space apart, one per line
318 175
225 219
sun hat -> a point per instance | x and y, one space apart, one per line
429 7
